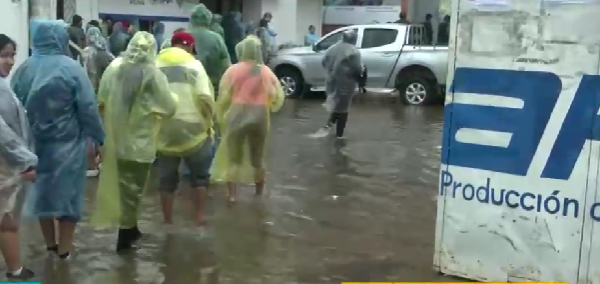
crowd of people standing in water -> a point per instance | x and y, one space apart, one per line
195 101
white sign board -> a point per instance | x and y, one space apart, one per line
518 195
357 15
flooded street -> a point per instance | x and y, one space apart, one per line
360 209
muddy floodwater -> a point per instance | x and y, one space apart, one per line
359 209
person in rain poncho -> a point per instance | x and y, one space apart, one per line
235 31
167 43
271 34
215 25
63 114
96 59
118 39
249 91
134 96
262 34
344 71
17 164
187 135
158 30
210 47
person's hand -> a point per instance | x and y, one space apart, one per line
28 175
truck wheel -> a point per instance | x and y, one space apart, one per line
291 80
416 89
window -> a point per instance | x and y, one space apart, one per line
417 35
331 40
378 37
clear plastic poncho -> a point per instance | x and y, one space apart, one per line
249 92
118 39
135 97
63 114
215 25
192 122
158 30
96 56
235 31
343 67
16 152
210 47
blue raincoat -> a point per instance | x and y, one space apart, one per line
235 31
63 114
158 30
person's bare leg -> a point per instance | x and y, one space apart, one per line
66 231
259 178
199 199
9 243
231 192
167 199
48 227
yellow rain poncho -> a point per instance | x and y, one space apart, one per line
192 122
248 93
135 96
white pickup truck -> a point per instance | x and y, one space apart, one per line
395 55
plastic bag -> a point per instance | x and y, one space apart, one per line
329 103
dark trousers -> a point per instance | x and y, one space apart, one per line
339 119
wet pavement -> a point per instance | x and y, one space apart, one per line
360 209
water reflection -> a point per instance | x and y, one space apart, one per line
360 209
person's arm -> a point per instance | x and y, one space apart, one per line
104 88
277 96
162 102
271 30
14 150
87 106
224 99
354 62
16 84
81 40
205 91
224 54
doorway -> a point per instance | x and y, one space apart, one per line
60 10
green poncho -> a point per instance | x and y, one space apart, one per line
210 46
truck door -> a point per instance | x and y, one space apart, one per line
380 48
312 63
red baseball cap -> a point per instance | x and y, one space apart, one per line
182 38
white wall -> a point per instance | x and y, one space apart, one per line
284 18
15 17
88 10
170 27
419 8
309 12
148 9
252 10
357 15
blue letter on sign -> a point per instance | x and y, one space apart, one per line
539 92
580 125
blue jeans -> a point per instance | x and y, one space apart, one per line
215 144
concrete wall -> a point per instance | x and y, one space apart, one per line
16 13
291 18
310 12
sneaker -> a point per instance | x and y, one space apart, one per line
24 274
92 173
323 132
65 255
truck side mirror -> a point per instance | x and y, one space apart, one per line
314 47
